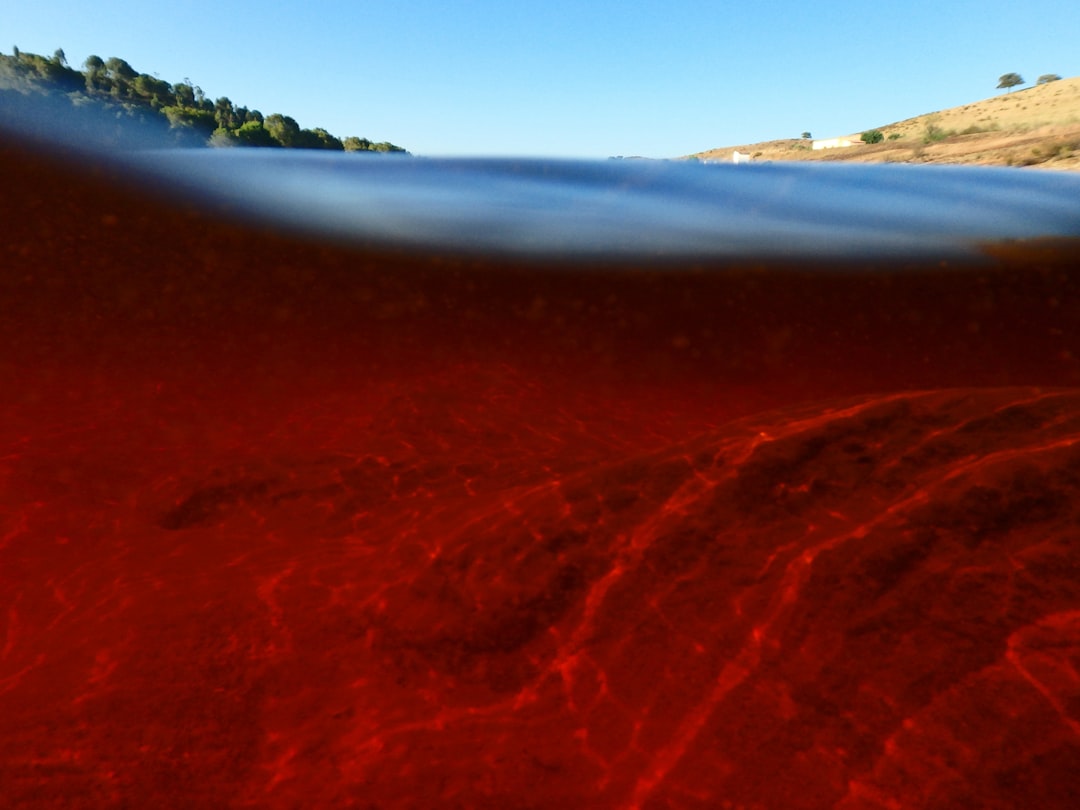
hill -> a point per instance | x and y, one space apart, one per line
1039 126
110 104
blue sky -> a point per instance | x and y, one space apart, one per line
575 79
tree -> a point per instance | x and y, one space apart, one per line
1010 80
318 138
185 94
199 122
224 113
354 144
94 68
120 70
156 91
872 136
114 86
42 74
120 75
283 129
253 133
1046 78
807 136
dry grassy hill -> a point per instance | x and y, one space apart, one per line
1039 126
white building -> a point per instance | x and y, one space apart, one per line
837 143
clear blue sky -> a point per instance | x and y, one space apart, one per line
570 77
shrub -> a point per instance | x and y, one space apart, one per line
934 133
873 136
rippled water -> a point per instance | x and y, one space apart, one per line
633 208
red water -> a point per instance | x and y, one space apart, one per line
293 525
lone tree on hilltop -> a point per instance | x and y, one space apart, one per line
1046 78
1010 80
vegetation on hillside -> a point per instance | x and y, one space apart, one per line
1010 80
1039 126
113 87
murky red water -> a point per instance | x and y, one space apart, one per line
287 524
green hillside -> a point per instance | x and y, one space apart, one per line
112 90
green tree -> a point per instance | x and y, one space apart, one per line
872 136
1008 81
1046 78
354 144
40 74
283 129
155 91
807 136
253 133
185 94
199 122
224 113
318 138
120 75
147 100
94 70
119 70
